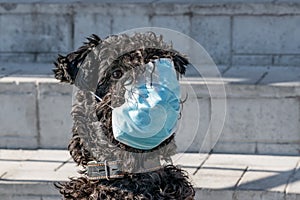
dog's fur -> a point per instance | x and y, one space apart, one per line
168 182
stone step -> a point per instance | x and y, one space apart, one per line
252 110
30 174
261 111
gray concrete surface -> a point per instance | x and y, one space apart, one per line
30 174
261 111
234 32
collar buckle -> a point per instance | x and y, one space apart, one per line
104 170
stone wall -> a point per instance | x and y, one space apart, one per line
35 113
234 32
254 119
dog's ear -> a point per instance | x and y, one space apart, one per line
66 67
180 63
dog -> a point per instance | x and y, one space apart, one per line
112 168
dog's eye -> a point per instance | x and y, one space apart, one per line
117 74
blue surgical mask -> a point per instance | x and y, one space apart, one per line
151 109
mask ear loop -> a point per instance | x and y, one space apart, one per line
182 103
83 86
152 72
101 100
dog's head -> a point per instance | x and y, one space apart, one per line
102 69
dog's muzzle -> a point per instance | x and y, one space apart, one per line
151 109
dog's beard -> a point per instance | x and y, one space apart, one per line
93 122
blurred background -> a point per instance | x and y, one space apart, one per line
255 44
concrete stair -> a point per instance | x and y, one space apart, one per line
255 44
260 76
262 110
30 174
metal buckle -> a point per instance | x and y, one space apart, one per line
106 169
103 170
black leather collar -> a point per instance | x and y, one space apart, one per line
111 170
104 170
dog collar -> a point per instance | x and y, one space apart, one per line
110 170
104 170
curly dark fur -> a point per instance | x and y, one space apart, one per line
168 182
67 67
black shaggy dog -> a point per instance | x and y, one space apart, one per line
113 170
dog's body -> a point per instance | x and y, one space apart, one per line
141 174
